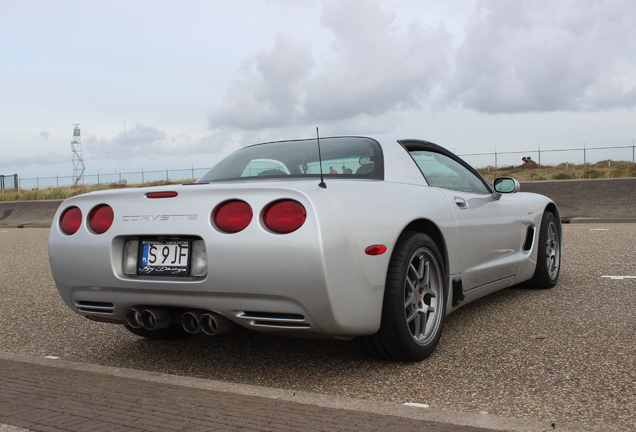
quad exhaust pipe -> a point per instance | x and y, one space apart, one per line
149 319
196 321
210 323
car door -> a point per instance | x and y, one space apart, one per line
489 229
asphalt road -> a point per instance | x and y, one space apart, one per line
560 355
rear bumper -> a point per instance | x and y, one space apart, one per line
255 278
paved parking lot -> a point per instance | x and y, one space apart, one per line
562 355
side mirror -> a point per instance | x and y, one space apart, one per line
504 185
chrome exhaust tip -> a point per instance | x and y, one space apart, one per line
155 318
133 318
212 323
190 321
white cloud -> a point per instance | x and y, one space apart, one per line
40 158
376 68
269 86
515 57
541 56
140 139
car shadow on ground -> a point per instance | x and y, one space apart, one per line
245 356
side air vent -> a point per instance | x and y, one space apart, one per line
95 307
527 245
276 320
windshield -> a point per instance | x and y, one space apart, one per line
341 158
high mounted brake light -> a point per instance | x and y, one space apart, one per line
166 194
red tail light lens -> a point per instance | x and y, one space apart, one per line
101 218
232 216
71 220
284 216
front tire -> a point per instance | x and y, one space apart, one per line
414 302
548 267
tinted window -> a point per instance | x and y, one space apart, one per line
444 172
341 158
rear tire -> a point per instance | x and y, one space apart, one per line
414 302
173 332
546 274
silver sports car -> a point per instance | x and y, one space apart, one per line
372 238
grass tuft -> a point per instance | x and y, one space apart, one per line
564 171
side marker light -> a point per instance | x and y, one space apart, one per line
375 250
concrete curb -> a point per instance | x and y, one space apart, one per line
598 220
457 418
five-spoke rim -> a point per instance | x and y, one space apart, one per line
553 252
423 295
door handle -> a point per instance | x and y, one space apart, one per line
461 202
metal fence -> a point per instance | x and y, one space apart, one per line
114 177
553 154
9 182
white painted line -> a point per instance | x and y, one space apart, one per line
415 404
599 229
619 277
51 357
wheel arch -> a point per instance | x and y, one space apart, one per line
552 208
419 237
428 227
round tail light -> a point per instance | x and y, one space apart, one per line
71 220
232 216
284 216
101 218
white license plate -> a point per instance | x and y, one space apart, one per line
165 258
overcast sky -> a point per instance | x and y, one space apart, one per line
195 79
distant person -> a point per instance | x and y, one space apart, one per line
332 171
525 160
346 170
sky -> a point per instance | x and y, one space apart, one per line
181 83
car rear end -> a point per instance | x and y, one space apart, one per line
272 256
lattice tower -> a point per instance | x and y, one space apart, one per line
78 162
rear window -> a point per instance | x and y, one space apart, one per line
341 158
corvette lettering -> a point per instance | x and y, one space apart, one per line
151 218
